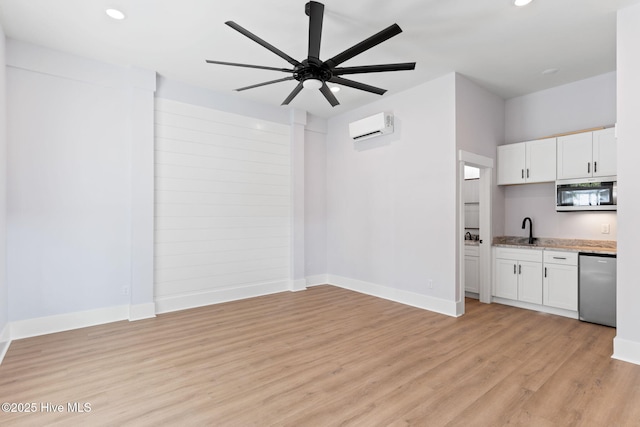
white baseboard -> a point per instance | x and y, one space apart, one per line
142 311
183 302
627 351
320 279
298 285
65 322
537 307
5 341
450 308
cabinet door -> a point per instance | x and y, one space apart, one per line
506 279
560 286
471 190
604 152
530 282
541 160
471 273
511 164
575 156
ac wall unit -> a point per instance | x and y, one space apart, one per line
376 125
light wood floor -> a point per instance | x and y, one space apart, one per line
327 357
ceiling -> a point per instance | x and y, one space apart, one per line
499 46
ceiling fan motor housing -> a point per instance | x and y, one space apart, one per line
312 69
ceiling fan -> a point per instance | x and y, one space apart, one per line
314 73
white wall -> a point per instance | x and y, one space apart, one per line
579 105
4 290
223 206
315 191
391 201
72 183
232 103
301 124
480 121
627 341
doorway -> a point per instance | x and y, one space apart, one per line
484 233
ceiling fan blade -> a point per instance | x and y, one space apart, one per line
264 84
293 94
326 91
373 68
374 40
235 64
357 85
315 11
263 43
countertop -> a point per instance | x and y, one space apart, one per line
605 247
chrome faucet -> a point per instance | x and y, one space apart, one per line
524 224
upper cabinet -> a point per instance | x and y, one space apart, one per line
527 162
586 155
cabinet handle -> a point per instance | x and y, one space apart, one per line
527 173
514 269
519 269
545 272
595 167
559 257
522 173
589 167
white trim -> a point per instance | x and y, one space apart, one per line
65 322
536 307
5 341
142 311
320 279
450 308
298 285
183 302
625 350
485 164
475 159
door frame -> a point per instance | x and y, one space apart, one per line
486 166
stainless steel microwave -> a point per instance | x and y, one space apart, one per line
587 194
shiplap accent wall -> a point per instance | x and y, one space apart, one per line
223 206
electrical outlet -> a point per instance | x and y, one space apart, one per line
125 290
605 228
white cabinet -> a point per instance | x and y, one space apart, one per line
511 164
560 282
586 155
471 191
527 162
605 152
518 274
471 269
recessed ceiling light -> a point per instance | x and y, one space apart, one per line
115 14
521 2
550 71
335 89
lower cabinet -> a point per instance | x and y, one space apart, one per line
560 282
471 269
518 274
544 277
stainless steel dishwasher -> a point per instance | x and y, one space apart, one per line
597 289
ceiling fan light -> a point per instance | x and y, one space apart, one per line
521 3
335 89
312 84
115 14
